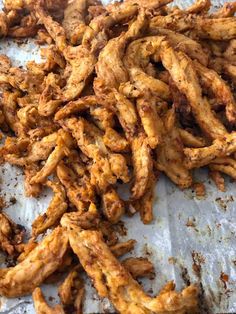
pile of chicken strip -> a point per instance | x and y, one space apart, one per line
125 92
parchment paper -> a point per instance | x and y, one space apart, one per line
190 239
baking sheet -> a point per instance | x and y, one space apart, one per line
189 240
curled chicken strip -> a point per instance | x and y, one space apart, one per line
79 190
191 140
36 267
119 286
185 78
115 141
110 68
41 306
182 43
31 189
170 154
219 88
122 248
142 163
221 147
55 210
138 55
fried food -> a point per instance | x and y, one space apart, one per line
138 267
198 157
36 267
41 306
72 291
11 235
170 154
119 286
55 210
142 163
123 93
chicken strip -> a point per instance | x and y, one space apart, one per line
11 235
79 190
122 248
41 306
74 20
227 10
72 291
64 144
55 210
151 121
119 286
110 67
138 55
170 154
221 147
212 81
113 205
138 267
183 43
185 78
142 163
36 267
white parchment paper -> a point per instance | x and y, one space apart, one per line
190 239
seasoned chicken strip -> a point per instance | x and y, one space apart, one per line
183 43
119 286
221 147
112 205
185 78
110 67
227 10
170 154
138 267
211 80
41 306
138 54
142 163
151 121
79 190
74 20
55 210
36 267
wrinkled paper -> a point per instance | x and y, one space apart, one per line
189 240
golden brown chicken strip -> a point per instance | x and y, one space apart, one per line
151 121
31 189
170 154
72 291
138 54
55 210
190 140
36 267
138 267
110 68
64 144
185 78
221 147
115 141
113 205
119 286
79 190
199 6
142 163
74 20
212 81
122 248
41 306
183 43
11 235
